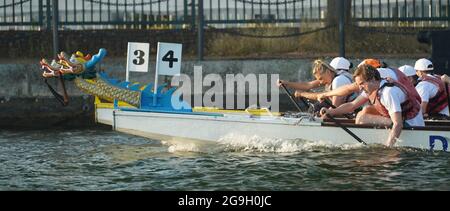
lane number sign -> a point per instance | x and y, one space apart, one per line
138 55
168 61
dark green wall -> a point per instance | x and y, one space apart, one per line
38 44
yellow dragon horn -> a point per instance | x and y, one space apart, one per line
79 54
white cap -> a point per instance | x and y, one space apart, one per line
340 63
408 70
423 65
387 73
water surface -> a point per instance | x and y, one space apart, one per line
101 159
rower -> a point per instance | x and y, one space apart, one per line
376 63
394 103
391 74
352 88
330 76
431 90
410 72
341 64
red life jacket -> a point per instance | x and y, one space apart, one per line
403 79
410 108
440 101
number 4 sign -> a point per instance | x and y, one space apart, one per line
168 61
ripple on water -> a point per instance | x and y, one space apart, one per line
107 160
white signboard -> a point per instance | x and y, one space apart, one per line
138 54
168 60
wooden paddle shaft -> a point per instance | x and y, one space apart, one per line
292 98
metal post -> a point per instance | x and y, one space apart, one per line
201 23
342 28
41 14
55 17
55 26
185 5
193 14
48 13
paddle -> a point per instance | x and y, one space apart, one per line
62 99
292 98
329 116
346 129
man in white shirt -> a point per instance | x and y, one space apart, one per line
410 72
431 90
349 88
391 74
343 77
392 101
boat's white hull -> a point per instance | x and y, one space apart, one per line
104 116
179 127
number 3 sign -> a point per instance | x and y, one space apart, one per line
138 57
168 61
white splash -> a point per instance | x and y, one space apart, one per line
255 143
245 143
182 147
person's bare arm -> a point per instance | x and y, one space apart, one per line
308 95
341 91
337 101
445 78
300 85
344 108
397 126
424 106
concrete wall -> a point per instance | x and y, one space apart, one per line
25 100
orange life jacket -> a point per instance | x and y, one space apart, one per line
410 108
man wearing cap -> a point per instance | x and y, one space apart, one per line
351 88
329 76
410 72
341 64
393 102
385 73
431 90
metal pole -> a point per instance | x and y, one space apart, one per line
55 27
201 23
193 14
41 14
48 13
342 28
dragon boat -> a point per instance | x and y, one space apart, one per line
130 108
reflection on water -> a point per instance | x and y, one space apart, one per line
122 154
107 160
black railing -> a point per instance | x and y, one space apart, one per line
149 14
401 10
169 14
